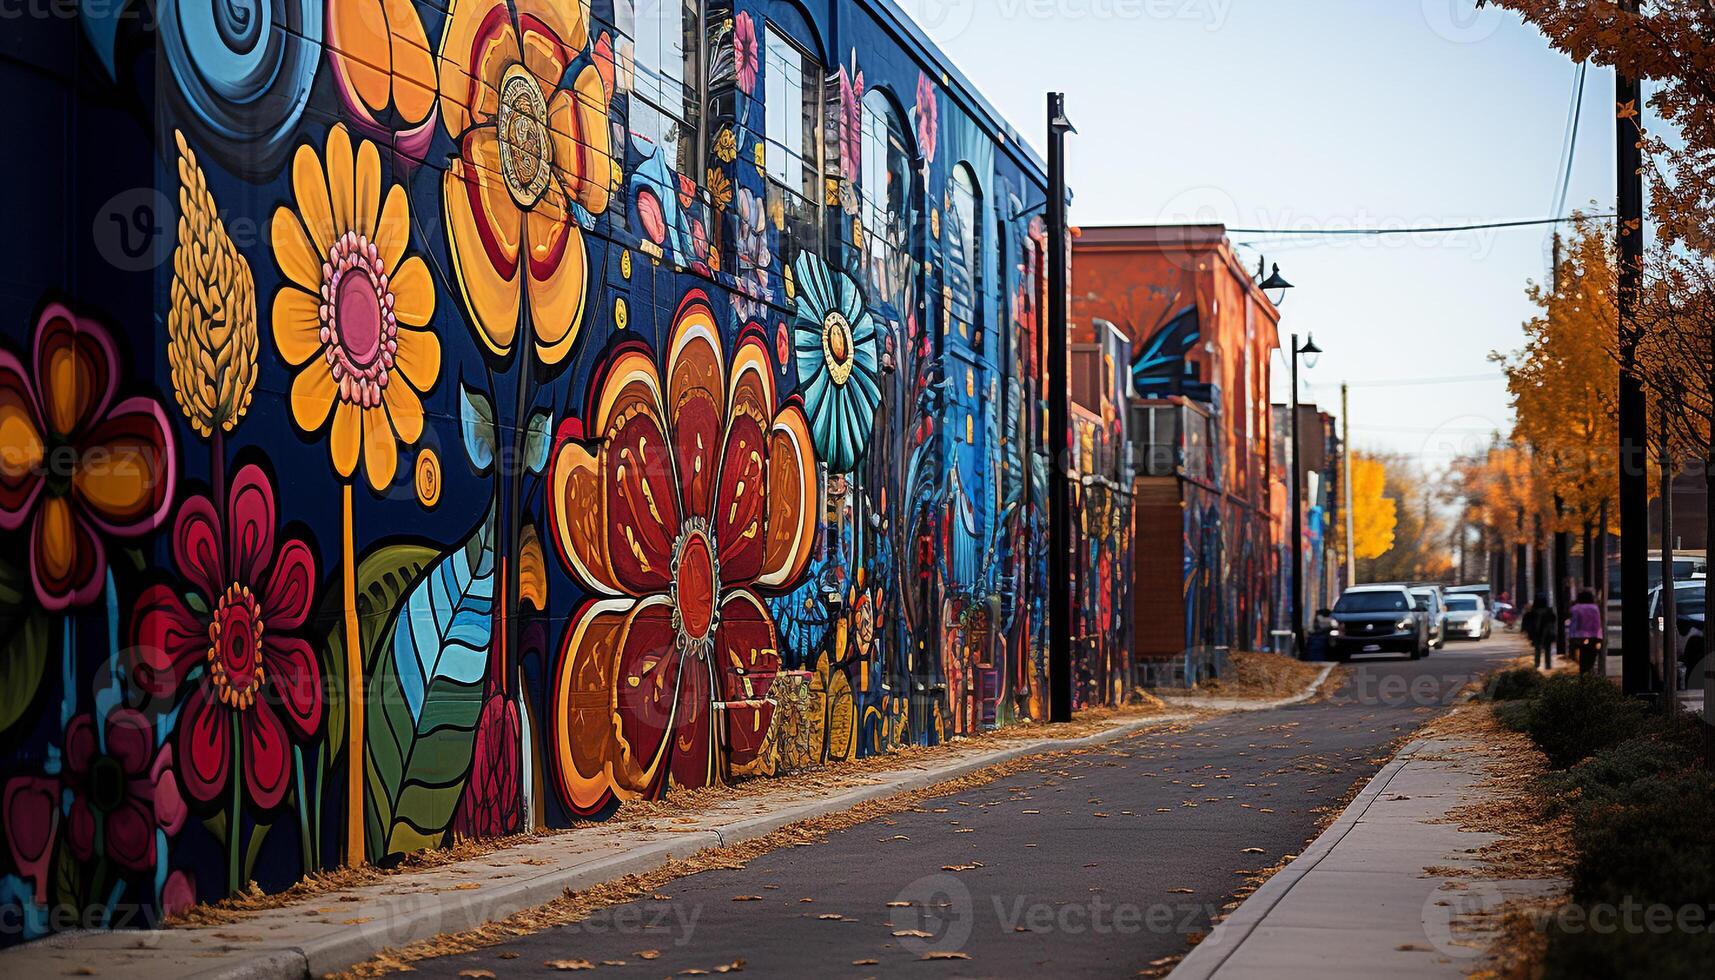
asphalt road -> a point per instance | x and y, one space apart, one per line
1091 865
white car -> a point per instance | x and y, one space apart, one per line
1467 617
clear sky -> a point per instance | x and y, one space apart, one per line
1321 113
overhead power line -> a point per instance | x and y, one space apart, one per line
1292 232
1453 379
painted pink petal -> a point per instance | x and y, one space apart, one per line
198 548
205 745
265 756
80 829
169 804
81 745
250 518
167 640
130 835
179 893
286 600
30 809
131 740
296 677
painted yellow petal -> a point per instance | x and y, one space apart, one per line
380 453
21 445
419 357
345 439
413 66
792 482
393 228
568 20
477 44
310 185
577 509
357 48
406 410
559 276
313 394
297 325
342 177
413 292
366 190
491 291
297 257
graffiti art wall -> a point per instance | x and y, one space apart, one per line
457 419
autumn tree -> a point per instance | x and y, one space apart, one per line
1374 513
1418 550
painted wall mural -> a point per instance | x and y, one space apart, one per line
467 427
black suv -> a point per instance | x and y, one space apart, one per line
1379 619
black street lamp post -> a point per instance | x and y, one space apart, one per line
1309 352
1059 422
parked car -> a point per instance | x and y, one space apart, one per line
1689 599
1468 616
1687 565
1436 604
1378 619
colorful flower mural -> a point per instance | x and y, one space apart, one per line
675 499
532 150
77 463
255 685
379 56
838 362
122 790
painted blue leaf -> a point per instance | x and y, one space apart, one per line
476 424
444 628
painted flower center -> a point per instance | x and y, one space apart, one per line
360 336
526 153
235 648
106 784
696 582
837 346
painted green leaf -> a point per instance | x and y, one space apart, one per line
424 699
25 641
384 576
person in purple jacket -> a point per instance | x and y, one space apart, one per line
1584 630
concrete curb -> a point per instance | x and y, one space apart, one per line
1243 704
1210 955
405 919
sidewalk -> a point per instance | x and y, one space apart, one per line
1387 890
332 930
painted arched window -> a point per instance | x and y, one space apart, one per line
966 246
792 107
885 197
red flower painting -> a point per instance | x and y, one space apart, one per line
695 491
122 789
259 684
76 463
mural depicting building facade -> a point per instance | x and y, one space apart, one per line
1201 337
461 419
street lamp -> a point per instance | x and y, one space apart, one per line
1274 287
1059 424
1311 354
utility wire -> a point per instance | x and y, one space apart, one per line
1570 148
1294 232
1413 382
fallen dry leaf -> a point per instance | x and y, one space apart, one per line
568 964
747 898
898 905
1253 850
941 954
913 933
831 917
734 967
476 973
865 962
510 954
647 954
1181 891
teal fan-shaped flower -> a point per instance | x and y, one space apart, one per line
836 341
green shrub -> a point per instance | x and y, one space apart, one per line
1609 775
1512 685
1576 715
1650 846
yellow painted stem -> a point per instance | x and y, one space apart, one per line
354 852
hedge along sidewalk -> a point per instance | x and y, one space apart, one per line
330 930
1388 889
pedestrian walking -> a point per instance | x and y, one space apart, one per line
1584 630
1538 626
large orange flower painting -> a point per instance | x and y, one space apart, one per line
679 501
533 139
